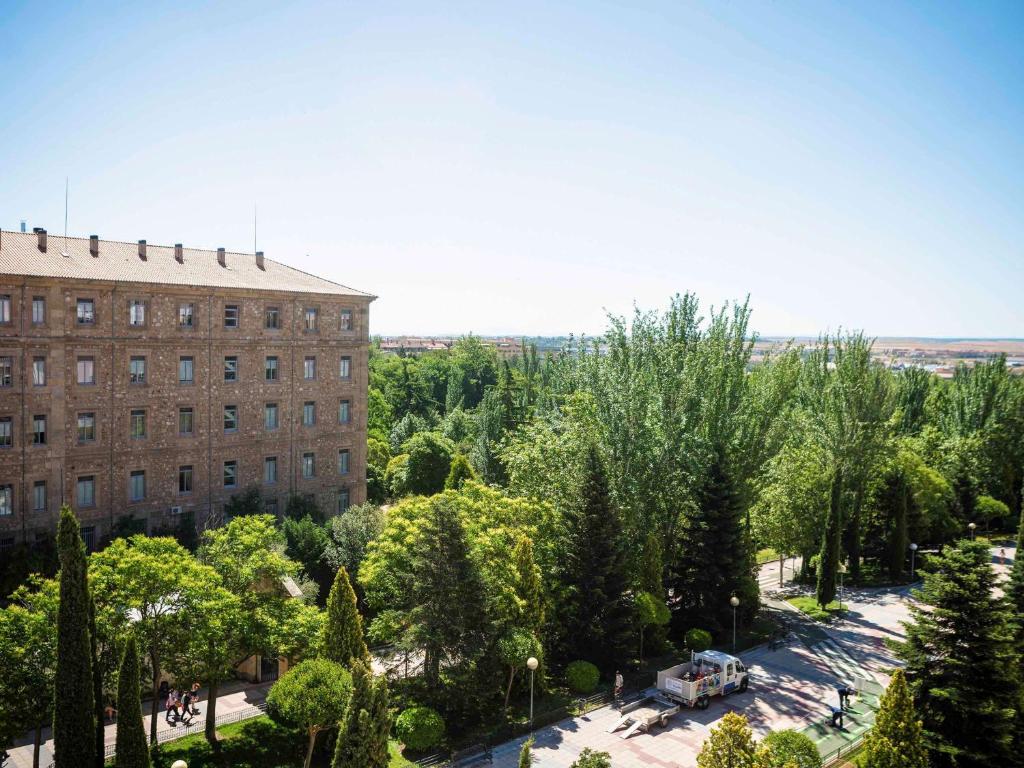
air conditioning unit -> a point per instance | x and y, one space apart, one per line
175 510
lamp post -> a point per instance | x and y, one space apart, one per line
734 602
532 664
913 551
179 764
842 570
972 526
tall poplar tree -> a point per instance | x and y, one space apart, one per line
828 559
74 713
132 750
343 632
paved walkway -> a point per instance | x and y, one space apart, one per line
237 701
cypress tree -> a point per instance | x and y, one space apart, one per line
380 721
355 736
596 615
97 687
132 750
897 740
961 663
74 711
828 560
716 557
343 632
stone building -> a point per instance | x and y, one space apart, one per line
145 385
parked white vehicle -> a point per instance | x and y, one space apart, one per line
707 674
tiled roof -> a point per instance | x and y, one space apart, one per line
120 262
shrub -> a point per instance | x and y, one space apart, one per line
582 676
419 728
698 639
590 759
788 748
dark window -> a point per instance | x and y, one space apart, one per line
86 312
38 371
343 500
6 371
86 370
311 316
230 474
231 368
86 427
38 310
6 432
89 537
271 507
185 479
344 412
230 418
186 421
137 370
39 430
309 368
137 421
345 368
270 470
186 315
39 496
273 318
308 413
346 320
230 315
86 491
308 465
186 370
270 369
137 485
5 308
343 462
270 416
6 500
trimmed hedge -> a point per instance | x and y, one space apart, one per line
582 676
419 728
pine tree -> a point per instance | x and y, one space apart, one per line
132 750
828 560
717 559
729 745
1015 589
74 712
961 663
343 632
526 754
460 472
897 740
355 736
596 614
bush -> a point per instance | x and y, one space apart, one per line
419 728
582 676
590 759
698 640
788 748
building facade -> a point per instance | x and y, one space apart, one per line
147 385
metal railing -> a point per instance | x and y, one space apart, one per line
835 756
198 726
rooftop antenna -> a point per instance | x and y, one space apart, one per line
67 186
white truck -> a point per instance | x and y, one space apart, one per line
707 674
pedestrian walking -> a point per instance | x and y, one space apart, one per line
618 684
172 706
195 698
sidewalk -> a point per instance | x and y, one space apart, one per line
237 701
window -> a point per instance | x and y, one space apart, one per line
346 319
309 368
136 312
6 371
231 368
39 496
6 432
186 315
271 507
186 422
272 318
343 500
89 537
230 474
38 371
5 308
230 315
137 485
137 370
344 412
38 310
6 500
270 416
270 369
311 318
345 369
39 430
86 370
343 461
86 491
308 465
86 427
308 413
185 479
137 422
86 312
186 367
270 470
230 418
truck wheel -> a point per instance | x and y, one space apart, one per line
743 684
703 702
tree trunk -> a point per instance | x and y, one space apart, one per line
853 543
155 707
37 742
508 690
210 729
828 560
309 749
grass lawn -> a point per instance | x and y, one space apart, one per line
766 555
810 606
256 743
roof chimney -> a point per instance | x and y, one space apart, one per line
41 235
221 258
259 260
179 255
22 225
94 245
142 249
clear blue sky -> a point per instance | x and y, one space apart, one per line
521 167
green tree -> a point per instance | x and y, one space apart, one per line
249 502
787 749
343 631
961 663
897 740
360 743
829 556
526 754
396 476
74 709
590 759
1015 589
350 534
99 730
515 648
730 744
461 471
990 510
651 611
132 751
312 696
306 544
301 506
528 585
595 614
430 461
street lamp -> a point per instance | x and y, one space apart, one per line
532 664
972 526
913 551
842 570
179 764
734 602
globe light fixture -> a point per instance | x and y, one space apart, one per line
532 665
